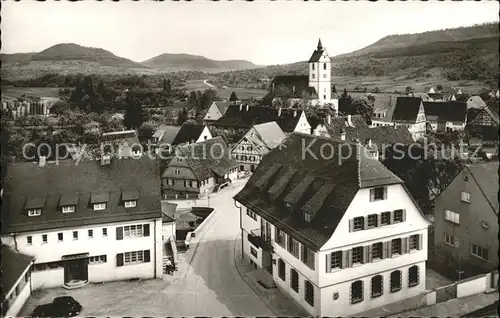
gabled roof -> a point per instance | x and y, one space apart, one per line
315 57
493 115
270 134
486 177
446 111
406 108
297 84
475 102
318 184
127 139
188 133
13 264
222 106
85 180
170 132
289 118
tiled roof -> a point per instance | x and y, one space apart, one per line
475 102
270 134
188 133
446 111
315 57
222 106
54 182
288 171
13 264
295 83
170 132
406 109
289 119
486 176
493 115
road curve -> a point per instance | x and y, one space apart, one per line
207 83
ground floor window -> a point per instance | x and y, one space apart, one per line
97 259
281 270
294 280
377 286
131 258
253 251
395 281
47 266
309 292
413 277
357 292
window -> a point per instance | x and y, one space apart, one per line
398 216
294 280
170 181
136 230
307 257
44 238
359 223
281 269
60 237
336 260
293 247
249 148
130 204
413 276
324 66
307 217
195 184
253 251
99 206
396 247
280 237
385 218
377 251
313 76
312 65
479 251
68 209
34 212
377 286
465 197
309 292
131 258
75 235
104 232
29 240
252 214
452 216
177 171
357 255
372 220
450 239
357 292
414 242
97 259
395 281
91 233
377 194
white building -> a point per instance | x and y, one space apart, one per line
91 222
320 74
339 235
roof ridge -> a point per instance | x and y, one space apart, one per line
358 159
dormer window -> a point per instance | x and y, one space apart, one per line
68 209
99 201
130 204
99 206
288 207
68 202
34 212
308 217
34 206
130 198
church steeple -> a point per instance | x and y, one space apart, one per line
320 46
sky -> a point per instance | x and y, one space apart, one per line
263 32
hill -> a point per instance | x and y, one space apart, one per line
182 62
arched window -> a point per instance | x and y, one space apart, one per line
294 280
413 277
377 286
395 281
309 292
281 269
357 292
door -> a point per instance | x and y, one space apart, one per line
76 270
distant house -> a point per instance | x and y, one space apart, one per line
466 221
17 109
126 142
191 133
16 280
409 112
197 169
482 127
216 111
256 143
475 101
446 116
163 138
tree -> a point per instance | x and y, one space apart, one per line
360 106
282 91
408 90
439 87
208 97
344 94
182 117
376 90
233 97
134 116
167 86
334 89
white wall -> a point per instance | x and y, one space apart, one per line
205 133
303 125
473 286
48 278
343 307
168 230
20 300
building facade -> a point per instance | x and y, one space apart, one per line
311 230
409 112
320 74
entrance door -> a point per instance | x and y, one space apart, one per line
76 270
267 261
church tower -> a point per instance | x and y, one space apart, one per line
320 74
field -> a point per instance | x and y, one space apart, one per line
242 93
16 92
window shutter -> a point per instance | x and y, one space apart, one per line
370 253
420 241
351 225
365 255
385 193
391 221
366 223
372 195
345 259
404 245
349 258
147 256
119 233
119 259
146 230
328 262
389 249
404 215
379 220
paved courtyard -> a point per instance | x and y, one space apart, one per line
211 285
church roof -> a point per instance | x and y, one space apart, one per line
317 53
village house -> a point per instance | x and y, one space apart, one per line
482 127
191 133
409 112
16 280
164 136
93 222
123 144
475 101
215 111
198 169
256 143
466 221
445 116
339 236
16 109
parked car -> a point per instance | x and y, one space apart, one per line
64 306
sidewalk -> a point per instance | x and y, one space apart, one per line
280 304
454 307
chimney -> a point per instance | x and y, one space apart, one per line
247 107
105 160
369 142
279 112
329 119
342 135
295 113
41 161
241 107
